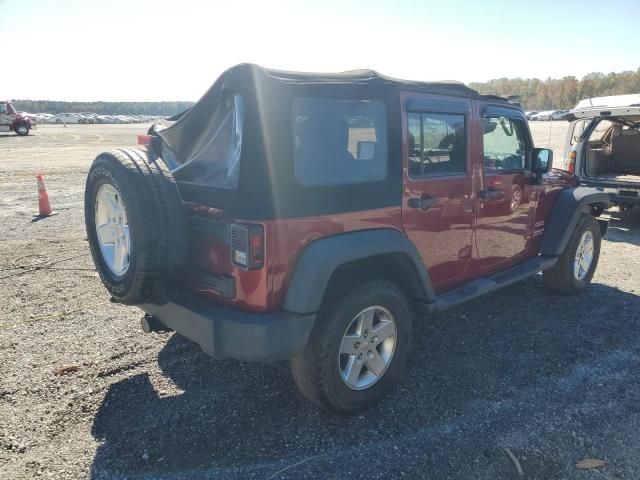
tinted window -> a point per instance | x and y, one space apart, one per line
339 141
505 146
437 144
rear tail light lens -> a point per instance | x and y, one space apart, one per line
247 245
144 139
571 166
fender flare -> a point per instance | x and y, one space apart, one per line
320 259
570 204
20 121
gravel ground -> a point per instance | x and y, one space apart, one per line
553 379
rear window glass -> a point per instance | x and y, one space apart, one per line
217 162
339 141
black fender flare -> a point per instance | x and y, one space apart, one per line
320 259
570 204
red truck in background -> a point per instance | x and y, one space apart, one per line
12 121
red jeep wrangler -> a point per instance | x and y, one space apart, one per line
307 216
12 121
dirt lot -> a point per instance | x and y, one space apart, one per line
553 379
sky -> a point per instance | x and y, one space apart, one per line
129 50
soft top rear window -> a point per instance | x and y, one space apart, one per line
339 142
217 162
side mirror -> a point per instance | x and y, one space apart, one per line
366 150
541 160
488 126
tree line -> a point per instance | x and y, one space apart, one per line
102 108
535 94
561 93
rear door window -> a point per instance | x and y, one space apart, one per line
437 144
339 142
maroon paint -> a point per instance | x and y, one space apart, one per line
461 238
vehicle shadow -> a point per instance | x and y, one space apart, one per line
243 420
624 227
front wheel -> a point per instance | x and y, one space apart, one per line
576 266
22 130
357 349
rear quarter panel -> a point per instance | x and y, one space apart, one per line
551 185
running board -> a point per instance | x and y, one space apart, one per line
482 286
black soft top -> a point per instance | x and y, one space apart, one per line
267 188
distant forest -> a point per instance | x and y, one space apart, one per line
102 108
561 93
535 94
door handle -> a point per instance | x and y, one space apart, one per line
491 194
422 203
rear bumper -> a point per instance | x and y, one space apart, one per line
625 199
223 332
614 191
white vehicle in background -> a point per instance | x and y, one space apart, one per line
551 115
538 116
122 119
602 147
43 117
66 118
88 117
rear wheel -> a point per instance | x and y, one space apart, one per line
576 266
358 348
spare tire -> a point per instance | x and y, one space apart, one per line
136 226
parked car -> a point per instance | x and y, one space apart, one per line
552 115
12 121
308 216
538 116
67 118
530 114
602 147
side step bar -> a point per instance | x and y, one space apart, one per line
481 286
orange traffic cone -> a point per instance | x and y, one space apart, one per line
44 206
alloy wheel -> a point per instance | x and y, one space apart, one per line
584 256
112 229
367 347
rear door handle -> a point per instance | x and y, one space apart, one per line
422 203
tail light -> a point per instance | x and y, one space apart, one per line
247 245
145 139
571 166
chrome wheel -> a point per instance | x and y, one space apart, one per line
516 199
112 229
367 347
22 130
584 256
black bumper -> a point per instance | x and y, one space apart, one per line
223 332
625 199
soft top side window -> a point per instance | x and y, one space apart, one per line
217 162
338 142
504 143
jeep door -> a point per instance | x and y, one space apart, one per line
507 200
438 195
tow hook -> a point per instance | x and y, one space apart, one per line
152 324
